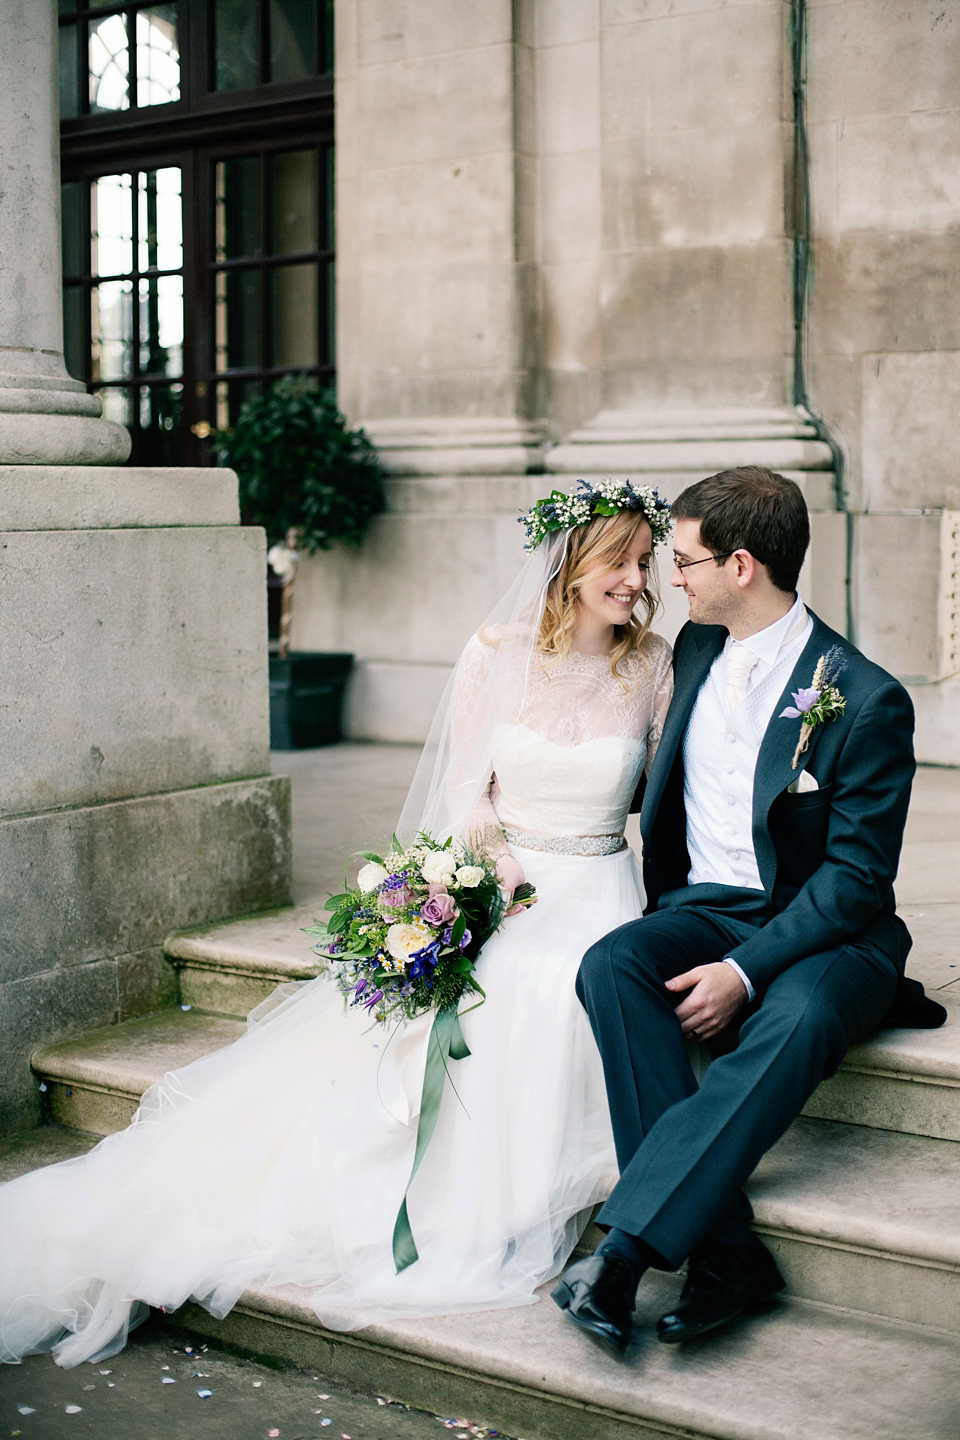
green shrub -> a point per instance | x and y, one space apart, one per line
301 468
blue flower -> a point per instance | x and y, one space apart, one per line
424 962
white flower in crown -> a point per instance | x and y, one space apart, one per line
283 562
563 512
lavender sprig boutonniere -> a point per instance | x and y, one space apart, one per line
821 701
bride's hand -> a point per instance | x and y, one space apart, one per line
510 874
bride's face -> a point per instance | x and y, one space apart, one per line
608 597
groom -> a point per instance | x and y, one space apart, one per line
769 869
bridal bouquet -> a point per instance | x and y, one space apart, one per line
405 940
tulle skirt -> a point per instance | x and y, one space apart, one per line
284 1157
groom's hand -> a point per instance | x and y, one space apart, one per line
716 994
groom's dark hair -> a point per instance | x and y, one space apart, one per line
753 509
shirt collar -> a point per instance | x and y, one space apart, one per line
768 643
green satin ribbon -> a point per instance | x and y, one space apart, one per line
446 1043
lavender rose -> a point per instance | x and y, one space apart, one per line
440 909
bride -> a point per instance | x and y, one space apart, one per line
283 1158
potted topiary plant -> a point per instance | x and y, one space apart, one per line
310 481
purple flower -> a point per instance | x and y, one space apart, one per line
396 896
440 909
805 701
424 962
372 1000
465 939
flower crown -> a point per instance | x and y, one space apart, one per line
563 512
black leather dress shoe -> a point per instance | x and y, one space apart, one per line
598 1294
723 1281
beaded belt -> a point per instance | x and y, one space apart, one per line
565 844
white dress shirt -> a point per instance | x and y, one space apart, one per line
720 749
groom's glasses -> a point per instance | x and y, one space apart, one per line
685 564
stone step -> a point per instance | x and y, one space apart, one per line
805 1370
857 1217
864 1219
94 1082
229 968
904 1080
802 1372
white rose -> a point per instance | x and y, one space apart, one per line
404 940
371 877
469 875
438 867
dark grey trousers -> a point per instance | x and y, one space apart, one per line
684 1152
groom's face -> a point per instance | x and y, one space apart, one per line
711 589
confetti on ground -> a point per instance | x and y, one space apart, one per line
164 1367
186 1007
106 1372
273 1433
89 1387
326 1422
323 1397
111 1385
168 1380
204 1394
26 1410
73 1409
257 1384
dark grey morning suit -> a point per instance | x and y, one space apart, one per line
821 944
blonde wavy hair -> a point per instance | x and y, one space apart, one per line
592 548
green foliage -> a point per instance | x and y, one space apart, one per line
830 706
301 468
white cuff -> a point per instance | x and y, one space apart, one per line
728 961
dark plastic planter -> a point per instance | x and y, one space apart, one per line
306 698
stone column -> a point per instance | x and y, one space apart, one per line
45 416
135 788
437 320
884 127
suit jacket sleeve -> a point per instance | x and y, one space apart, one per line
868 810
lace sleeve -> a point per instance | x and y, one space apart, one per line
474 677
662 693
484 827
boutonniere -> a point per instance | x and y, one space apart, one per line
821 701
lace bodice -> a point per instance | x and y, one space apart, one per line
569 761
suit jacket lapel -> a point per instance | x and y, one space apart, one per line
699 654
775 770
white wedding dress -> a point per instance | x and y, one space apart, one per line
284 1157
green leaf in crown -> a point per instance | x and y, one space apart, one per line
563 512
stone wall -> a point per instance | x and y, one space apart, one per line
567 240
884 124
135 788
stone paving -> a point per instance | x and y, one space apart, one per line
131 1397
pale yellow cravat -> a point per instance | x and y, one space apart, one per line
740 662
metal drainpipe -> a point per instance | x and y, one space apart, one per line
801 289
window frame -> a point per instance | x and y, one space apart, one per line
193 133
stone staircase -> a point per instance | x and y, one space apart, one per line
860 1201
